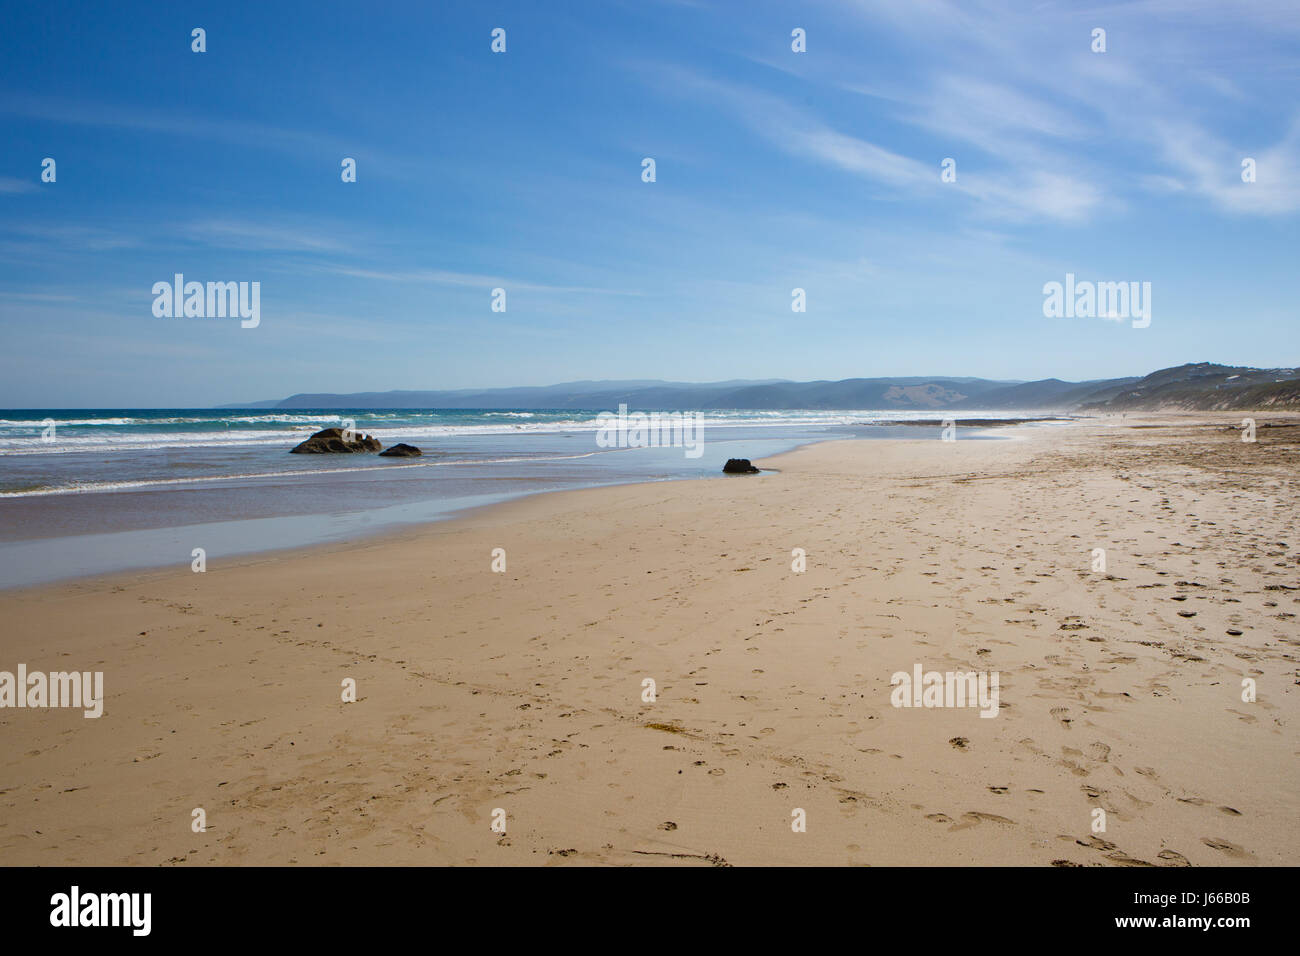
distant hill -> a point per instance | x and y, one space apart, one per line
1201 386
1050 393
915 392
1204 387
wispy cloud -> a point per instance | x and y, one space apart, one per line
1050 192
68 236
1028 91
259 237
249 134
466 280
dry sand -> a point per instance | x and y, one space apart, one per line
522 690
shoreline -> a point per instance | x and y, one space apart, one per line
391 533
523 690
362 541
48 558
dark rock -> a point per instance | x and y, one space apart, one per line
739 466
330 441
401 450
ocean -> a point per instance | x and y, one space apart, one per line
89 491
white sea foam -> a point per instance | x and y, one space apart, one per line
28 441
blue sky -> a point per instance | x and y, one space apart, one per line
522 170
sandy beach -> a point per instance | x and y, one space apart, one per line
522 690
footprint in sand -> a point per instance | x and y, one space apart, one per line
1098 751
1231 849
973 818
1097 843
1060 713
